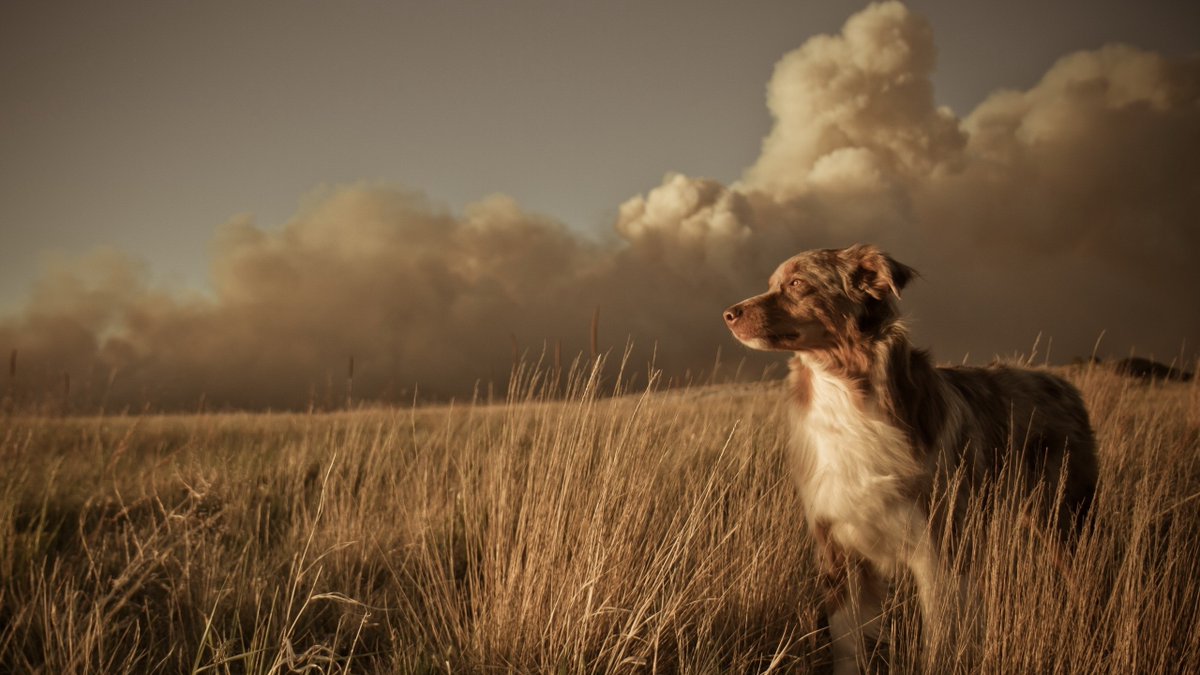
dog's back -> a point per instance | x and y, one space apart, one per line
1029 424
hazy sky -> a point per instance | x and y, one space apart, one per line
423 185
144 125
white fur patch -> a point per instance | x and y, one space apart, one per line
852 463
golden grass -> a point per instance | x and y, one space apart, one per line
650 532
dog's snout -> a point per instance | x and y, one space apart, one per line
733 314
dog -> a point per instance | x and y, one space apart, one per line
874 425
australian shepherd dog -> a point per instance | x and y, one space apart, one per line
875 427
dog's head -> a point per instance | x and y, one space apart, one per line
819 299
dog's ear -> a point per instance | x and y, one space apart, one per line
874 272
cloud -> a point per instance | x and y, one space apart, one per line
414 293
856 111
1067 209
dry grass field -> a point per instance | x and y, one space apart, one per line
654 531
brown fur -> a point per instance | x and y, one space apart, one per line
864 402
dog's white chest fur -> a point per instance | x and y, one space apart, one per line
852 468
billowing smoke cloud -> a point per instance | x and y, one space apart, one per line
1068 209
419 297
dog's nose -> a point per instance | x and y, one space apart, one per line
733 314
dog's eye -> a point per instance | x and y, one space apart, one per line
795 283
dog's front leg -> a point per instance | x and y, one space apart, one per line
951 624
854 594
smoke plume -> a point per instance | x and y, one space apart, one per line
1066 210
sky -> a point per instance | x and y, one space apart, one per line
161 162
